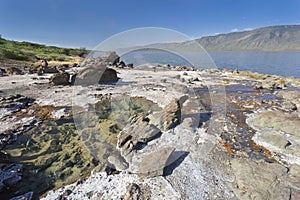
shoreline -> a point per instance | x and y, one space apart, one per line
213 139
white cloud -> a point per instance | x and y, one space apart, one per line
239 30
247 29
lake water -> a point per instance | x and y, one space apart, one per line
279 63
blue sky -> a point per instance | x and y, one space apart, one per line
79 23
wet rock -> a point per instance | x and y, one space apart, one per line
118 162
60 79
167 118
154 163
137 131
27 196
279 132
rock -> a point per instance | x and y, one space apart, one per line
44 63
290 96
118 162
271 83
259 180
153 164
95 71
167 118
289 106
109 58
109 76
130 66
121 65
50 69
279 132
137 131
14 71
133 192
137 192
27 196
10 174
2 72
60 79
61 113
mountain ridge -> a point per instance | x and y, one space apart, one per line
271 38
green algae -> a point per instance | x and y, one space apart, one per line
100 128
60 152
53 155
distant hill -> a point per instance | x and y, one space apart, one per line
26 53
273 38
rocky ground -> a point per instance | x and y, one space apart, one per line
162 132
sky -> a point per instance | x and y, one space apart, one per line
85 23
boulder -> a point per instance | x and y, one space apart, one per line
110 58
153 164
109 76
118 162
60 79
137 131
96 71
167 118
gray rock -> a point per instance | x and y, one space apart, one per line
154 163
109 58
96 71
118 162
167 118
259 180
137 131
289 106
279 132
136 191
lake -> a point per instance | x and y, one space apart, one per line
279 63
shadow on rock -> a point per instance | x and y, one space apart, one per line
176 158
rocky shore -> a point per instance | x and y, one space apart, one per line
107 130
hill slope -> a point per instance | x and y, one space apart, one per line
273 38
24 53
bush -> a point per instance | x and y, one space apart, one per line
12 54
